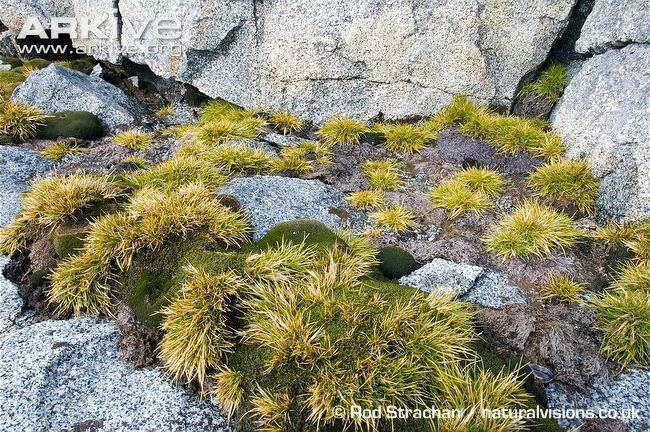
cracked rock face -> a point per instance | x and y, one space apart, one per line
322 58
67 375
614 23
603 116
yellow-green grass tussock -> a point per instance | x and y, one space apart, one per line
383 174
572 181
133 139
20 121
286 122
371 198
549 84
178 171
563 288
232 157
469 190
396 218
166 111
342 130
50 202
403 137
533 229
60 148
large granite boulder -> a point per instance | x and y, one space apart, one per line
614 23
55 89
67 375
270 200
322 58
603 116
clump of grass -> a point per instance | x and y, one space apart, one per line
533 229
634 276
228 389
468 190
563 288
133 139
271 410
456 197
567 180
222 130
218 109
167 110
371 198
615 234
396 218
138 161
292 164
308 150
404 137
20 121
286 122
58 149
549 84
624 319
196 335
383 174
81 284
551 147
342 130
232 157
52 201
178 171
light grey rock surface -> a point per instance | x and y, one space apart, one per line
280 139
270 200
615 23
492 289
67 375
56 88
467 282
627 391
603 116
442 276
318 59
17 167
7 46
14 14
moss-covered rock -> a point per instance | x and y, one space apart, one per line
68 240
9 80
13 61
84 65
395 262
296 231
37 63
71 124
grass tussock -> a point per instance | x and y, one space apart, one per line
469 190
20 121
178 171
133 139
396 218
572 181
196 336
222 121
231 158
82 284
342 130
404 138
366 199
300 159
50 202
549 84
562 288
532 230
383 174
58 149
286 122
228 389
166 111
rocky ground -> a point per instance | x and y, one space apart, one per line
92 373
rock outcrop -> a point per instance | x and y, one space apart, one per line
67 375
322 58
603 117
56 88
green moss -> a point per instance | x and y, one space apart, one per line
71 124
296 231
37 63
9 80
395 262
84 65
68 240
13 61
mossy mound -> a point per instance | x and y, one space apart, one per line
68 240
395 262
84 65
37 63
13 61
71 124
309 231
9 80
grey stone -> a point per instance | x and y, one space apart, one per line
11 304
17 167
442 276
615 23
358 58
603 116
281 140
7 43
5 67
65 375
270 200
15 13
494 290
270 150
56 88
628 390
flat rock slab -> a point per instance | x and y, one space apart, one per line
442 276
57 88
270 200
11 304
603 117
67 375
624 392
467 282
